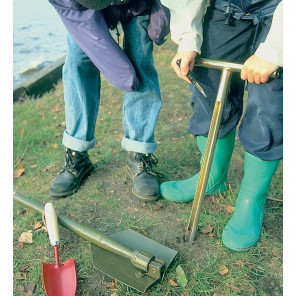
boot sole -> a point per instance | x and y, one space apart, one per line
82 178
244 249
147 198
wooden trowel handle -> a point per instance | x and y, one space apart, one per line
52 224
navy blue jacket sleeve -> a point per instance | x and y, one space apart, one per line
89 30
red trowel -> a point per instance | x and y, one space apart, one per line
59 279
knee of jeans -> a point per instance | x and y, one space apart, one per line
76 63
75 56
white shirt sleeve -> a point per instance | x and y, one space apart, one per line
272 48
186 22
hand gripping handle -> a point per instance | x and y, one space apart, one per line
52 224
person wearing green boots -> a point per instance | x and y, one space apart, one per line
250 34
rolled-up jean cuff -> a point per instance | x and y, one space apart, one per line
132 145
76 144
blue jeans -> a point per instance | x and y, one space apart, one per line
82 86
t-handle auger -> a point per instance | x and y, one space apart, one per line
227 68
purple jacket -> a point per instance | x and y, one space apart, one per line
90 31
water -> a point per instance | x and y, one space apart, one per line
39 37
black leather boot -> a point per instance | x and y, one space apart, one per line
139 170
77 167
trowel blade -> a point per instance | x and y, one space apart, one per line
121 268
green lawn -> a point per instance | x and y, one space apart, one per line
106 203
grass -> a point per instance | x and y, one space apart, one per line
106 203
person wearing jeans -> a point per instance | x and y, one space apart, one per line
91 52
249 33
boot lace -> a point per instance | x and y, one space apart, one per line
70 162
145 163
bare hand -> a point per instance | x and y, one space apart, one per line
187 63
257 70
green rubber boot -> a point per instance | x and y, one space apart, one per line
184 191
244 228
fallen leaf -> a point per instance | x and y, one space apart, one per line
19 164
181 277
223 270
20 276
142 231
239 263
24 268
37 226
234 288
26 237
252 290
98 144
43 228
21 212
29 287
207 228
230 209
33 166
55 145
275 253
110 286
19 288
56 108
48 167
173 283
62 124
18 172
